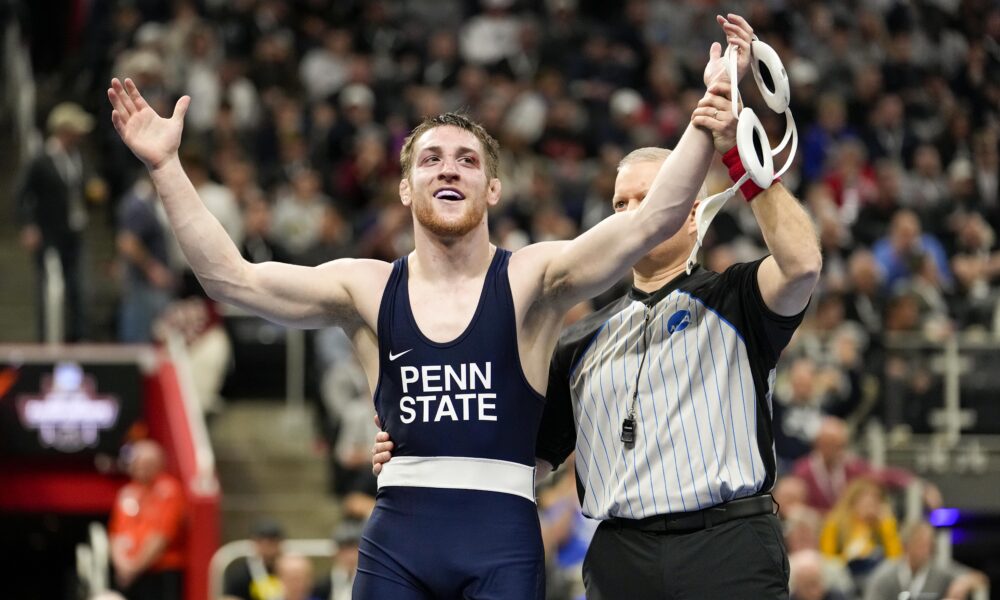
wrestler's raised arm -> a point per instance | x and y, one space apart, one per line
287 294
575 270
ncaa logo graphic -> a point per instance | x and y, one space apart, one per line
68 413
678 321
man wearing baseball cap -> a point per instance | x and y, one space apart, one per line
52 213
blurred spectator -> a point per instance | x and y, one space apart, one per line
628 126
864 301
282 146
298 213
976 264
566 534
888 135
52 213
200 72
799 411
325 69
801 527
927 188
337 584
851 181
259 244
866 88
255 577
240 177
146 528
361 177
963 195
789 493
491 36
349 427
142 246
357 106
873 219
829 469
295 574
440 68
915 574
861 529
197 323
334 241
819 140
273 65
389 236
986 155
901 253
806 581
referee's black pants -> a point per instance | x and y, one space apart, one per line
742 558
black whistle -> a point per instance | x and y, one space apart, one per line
628 431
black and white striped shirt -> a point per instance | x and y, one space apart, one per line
698 356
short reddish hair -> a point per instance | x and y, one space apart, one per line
490 145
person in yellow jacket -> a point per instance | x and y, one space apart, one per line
861 529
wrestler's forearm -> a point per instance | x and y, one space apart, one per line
671 195
591 263
208 248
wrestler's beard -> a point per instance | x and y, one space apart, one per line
428 218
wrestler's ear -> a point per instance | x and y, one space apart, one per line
404 191
493 192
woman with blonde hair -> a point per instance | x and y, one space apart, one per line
861 529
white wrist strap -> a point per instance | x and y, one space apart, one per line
761 171
705 213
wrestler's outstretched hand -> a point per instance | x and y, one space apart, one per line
152 138
739 34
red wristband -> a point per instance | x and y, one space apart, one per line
736 170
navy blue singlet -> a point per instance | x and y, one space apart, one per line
455 515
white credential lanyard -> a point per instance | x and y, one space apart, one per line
759 169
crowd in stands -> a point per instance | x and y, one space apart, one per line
271 573
300 109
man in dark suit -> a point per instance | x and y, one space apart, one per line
52 212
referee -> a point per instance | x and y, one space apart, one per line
665 395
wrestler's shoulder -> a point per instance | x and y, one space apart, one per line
365 268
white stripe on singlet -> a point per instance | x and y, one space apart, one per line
695 419
461 473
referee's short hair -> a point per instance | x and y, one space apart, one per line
653 154
647 154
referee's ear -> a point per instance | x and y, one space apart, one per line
692 224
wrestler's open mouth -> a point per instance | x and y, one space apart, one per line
448 193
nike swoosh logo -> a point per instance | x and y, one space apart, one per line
393 357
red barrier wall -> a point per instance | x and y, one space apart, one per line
168 424
75 487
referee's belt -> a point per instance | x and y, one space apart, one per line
702 519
